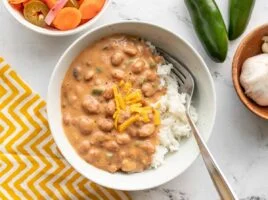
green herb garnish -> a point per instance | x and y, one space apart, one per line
109 155
105 48
142 80
97 92
152 65
155 86
137 143
130 61
98 69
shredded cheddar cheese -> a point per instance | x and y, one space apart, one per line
128 122
136 105
116 120
121 83
130 100
145 117
136 95
122 104
127 87
156 117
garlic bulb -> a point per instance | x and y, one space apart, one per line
254 78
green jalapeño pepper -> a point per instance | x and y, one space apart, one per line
209 26
239 14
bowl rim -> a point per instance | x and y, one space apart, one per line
236 82
50 113
54 32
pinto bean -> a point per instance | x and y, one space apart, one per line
138 66
123 138
93 154
146 130
84 147
150 75
122 154
105 124
130 50
98 81
112 168
111 146
75 121
118 74
87 63
67 119
72 98
133 153
145 160
148 89
79 90
128 165
147 146
110 108
98 137
64 102
89 75
132 79
131 130
117 58
91 105
123 116
85 125
108 93
114 45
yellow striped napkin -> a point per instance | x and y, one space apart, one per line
31 166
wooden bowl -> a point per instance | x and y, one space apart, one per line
250 46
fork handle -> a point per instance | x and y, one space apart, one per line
224 189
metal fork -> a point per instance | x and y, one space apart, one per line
186 85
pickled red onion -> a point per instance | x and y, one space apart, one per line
54 11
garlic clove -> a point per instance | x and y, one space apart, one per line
254 78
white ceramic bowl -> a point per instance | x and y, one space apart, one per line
53 32
204 101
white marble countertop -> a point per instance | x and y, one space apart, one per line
239 140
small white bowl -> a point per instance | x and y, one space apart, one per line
53 32
204 101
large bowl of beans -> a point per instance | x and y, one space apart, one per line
104 111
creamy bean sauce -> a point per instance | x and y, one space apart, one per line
101 136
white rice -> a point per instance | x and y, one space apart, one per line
174 125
